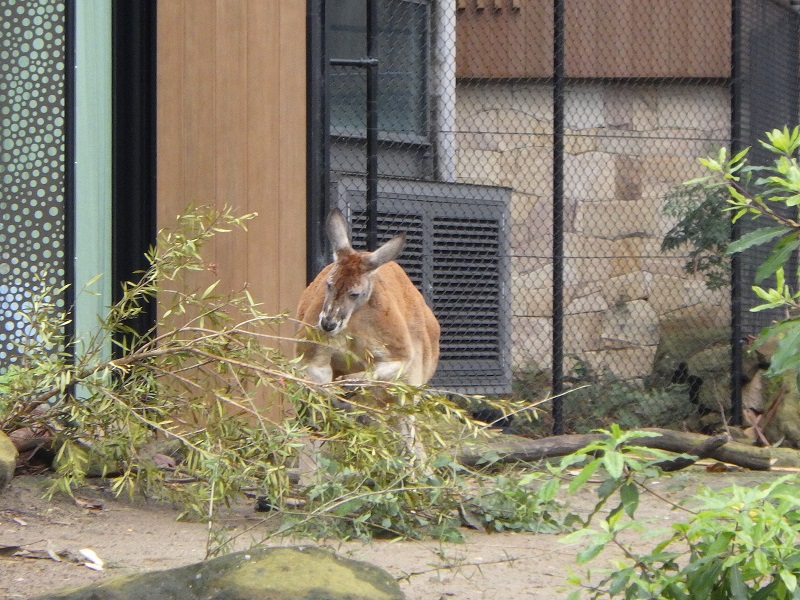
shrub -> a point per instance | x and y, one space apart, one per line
179 413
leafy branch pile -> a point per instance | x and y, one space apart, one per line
203 408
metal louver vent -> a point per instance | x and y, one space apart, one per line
466 255
457 256
389 225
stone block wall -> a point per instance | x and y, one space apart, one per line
626 146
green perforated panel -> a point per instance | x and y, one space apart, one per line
32 72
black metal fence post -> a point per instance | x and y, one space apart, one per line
372 125
318 136
736 260
558 215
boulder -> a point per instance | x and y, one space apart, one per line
776 398
8 460
297 573
695 352
784 426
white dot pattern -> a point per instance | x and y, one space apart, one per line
32 159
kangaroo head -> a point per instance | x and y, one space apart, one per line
350 281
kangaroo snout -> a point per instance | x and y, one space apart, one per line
328 325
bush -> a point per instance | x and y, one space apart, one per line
179 413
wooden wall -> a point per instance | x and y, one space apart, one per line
232 131
604 38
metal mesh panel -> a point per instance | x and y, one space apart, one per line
456 254
769 100
32 58
476 93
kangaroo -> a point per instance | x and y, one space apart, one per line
364 319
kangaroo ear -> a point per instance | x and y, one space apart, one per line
389 251
336 228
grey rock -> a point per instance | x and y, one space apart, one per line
297 573
8 460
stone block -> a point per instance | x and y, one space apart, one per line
584 107
530 255
671 170
590 176
532 168
670 293
482 166
628 178
633 107
583 266
580 141
630 324
697 292
532 343
590 303
539 278
533 98
618 107
626 256
667 293
628 287
654 260
616 219
662 142
688 106
624 363
532 293
539 303
582 333
678 142
699 317
530 226
645 109
511 119
468 140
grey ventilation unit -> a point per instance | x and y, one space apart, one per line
457 255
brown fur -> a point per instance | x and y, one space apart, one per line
395 324
390 334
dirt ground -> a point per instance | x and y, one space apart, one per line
136 537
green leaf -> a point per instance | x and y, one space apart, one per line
614 462
548 491
584 475
736 583
629 494
789 579
587 554
782 251
209 290
740 155
754 238
786 355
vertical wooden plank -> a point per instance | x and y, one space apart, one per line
292 190
198 107
230 133
264 151
199 114
170 98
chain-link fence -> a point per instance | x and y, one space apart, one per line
534 152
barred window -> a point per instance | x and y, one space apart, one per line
403 48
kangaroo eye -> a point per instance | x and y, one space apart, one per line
329 284
354 294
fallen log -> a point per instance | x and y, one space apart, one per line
698 452
511 448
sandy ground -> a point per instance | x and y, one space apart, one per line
143 537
